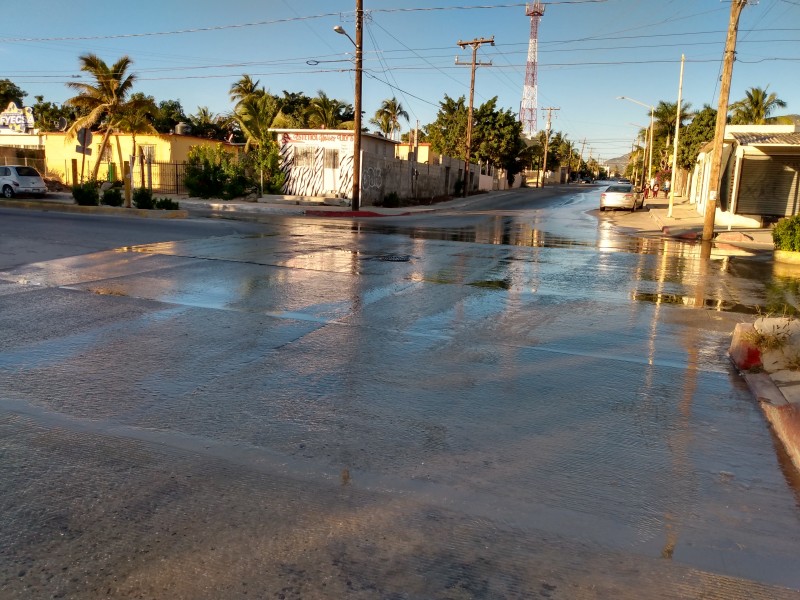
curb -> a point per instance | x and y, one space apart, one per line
96 210
782 415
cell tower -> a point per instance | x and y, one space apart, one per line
527 113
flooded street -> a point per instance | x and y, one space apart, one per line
515 402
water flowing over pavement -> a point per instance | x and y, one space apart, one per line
512 403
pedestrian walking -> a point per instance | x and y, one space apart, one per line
655 190
666 189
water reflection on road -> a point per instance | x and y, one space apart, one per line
478 406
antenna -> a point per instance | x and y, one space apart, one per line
61 124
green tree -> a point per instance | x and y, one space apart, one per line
47 114
255 115
696 135
497 138
9 92
293 112
243 88
383 123
388 116
105 99
664 117
137 118
208 125
447 134
329 113
756 107
168 115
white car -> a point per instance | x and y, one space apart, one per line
19 179
621 196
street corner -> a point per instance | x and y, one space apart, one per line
743 352
682 233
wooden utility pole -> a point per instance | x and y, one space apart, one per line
549 110
722 117
475 44
356 204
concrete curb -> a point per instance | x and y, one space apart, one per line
782 415
95 210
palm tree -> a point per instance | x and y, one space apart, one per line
327 113
104 100
137 119
390 111
664 117
383 123
255 115
756 107
243 88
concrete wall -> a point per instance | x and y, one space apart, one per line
381 176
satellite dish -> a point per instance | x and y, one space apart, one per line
61 125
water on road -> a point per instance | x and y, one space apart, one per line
494 404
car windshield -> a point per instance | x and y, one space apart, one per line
27 172
619 188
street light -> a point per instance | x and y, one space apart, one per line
356 204
652 119
644 154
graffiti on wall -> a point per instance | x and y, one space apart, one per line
372 178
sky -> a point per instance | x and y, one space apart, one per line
590 52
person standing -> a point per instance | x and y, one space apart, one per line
655 190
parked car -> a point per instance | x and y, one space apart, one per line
621 196
19 179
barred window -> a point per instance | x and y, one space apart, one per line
304 157
148 151
331 159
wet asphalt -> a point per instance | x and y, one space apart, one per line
522 402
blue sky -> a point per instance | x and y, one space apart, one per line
590 52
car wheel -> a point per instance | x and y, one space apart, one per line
8 192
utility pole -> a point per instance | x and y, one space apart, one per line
675 145
549 110
475 44
356 204
580 160
722 117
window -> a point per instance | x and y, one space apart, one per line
148 151
304 157
331 159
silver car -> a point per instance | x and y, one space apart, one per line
621 196
19 179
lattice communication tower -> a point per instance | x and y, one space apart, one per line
528 108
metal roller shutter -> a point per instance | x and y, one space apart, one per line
769 186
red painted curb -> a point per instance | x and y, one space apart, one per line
743 354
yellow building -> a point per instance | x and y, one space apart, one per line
165 153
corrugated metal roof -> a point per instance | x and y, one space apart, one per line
767 139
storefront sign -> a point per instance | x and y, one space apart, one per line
17 120
317 137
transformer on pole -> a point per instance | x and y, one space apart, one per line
527 113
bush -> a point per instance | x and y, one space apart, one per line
391 200
143 199
786 234
112 197
216 173
166 204
86 194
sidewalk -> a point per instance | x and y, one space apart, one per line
687 224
